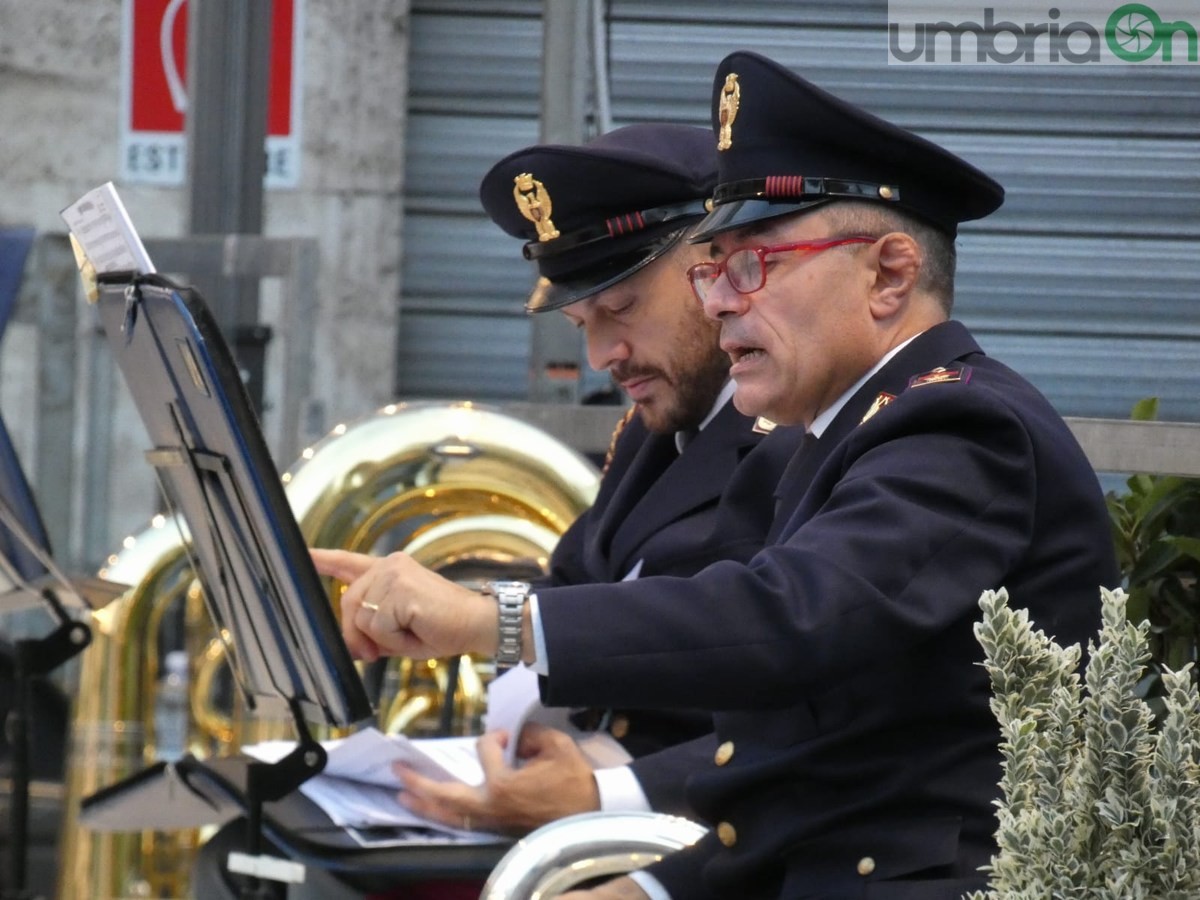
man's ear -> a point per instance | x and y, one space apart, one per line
897 271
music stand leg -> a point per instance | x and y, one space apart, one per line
18 810
33 657
266 782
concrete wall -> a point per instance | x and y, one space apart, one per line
59 122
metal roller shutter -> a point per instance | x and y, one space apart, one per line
1086 280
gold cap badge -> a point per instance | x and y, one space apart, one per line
533 200
727 110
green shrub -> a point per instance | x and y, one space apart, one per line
1156 532
1095 802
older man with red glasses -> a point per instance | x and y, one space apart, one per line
858 754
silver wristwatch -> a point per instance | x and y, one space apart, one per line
510 601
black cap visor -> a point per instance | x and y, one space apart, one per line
571 287
740 213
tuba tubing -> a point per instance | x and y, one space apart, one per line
466 490
564 854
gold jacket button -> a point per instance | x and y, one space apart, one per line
724 753
866 866
727 834
619 727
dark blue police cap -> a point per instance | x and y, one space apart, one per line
784 145
594 214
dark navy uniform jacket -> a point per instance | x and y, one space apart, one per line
859 757
675 513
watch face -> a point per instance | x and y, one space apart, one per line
507 590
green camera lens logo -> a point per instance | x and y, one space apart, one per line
1136 33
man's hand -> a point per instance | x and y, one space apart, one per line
555 781
394 606
617 889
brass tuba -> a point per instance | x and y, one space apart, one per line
467 490
572 851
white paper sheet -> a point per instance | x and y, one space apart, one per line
514 702
103 228
358 787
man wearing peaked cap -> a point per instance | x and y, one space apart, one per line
605 224
786 146
595 214
858 756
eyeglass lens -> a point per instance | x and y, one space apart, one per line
743 268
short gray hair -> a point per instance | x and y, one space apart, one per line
848 217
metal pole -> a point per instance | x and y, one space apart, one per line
229 51
565 71
57 311
555 351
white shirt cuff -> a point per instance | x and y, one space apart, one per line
541 665
620 791
650 885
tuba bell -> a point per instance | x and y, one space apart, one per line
573 851
467 490
463 488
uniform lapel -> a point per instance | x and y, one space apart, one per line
694 479
654 454
938 346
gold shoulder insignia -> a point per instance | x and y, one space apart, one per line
612 441
882 400
763 425
533 200
941 375
727 110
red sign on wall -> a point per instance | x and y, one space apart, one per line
154 92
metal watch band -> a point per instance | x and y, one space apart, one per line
510 603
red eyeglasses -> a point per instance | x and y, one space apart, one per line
746 268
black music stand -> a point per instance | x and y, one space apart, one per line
259 582
30 576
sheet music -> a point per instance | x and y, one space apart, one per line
358 786
103 228
514 702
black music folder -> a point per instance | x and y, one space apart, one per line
217 475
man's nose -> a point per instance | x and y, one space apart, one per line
722 300
606 348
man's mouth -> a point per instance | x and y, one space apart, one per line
743 353
638 387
